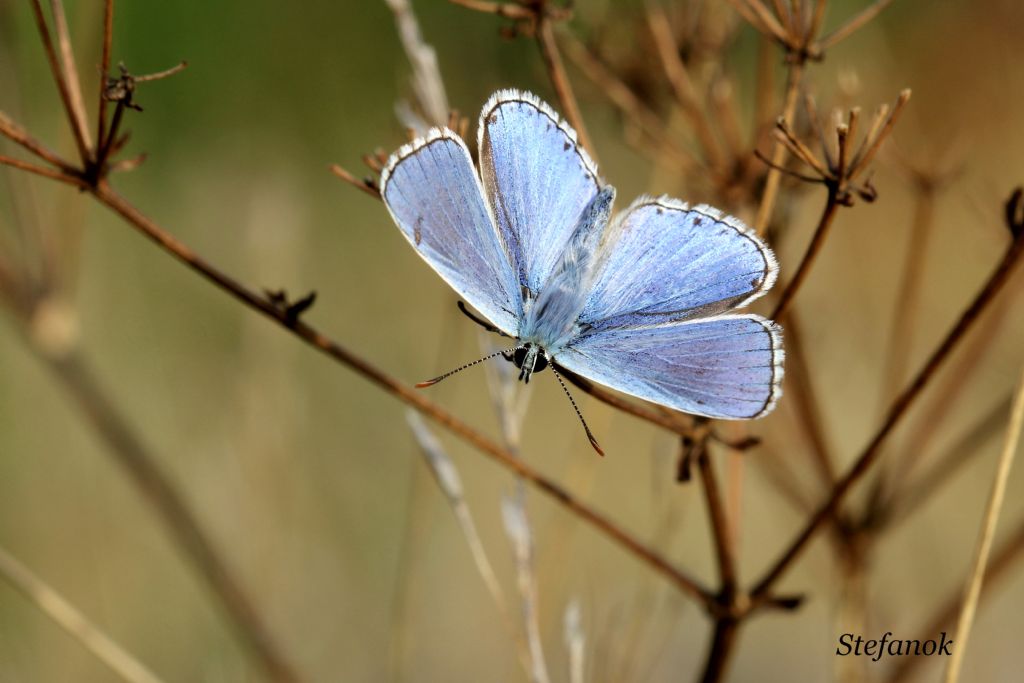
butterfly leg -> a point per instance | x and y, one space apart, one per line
480 321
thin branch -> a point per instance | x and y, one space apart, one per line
563 88
67 55
771 186
427 84
108 40
361 185
906 500
722 641
972 590
911 281
857 22
508 10
14 132
448 480
77 625
42 170
682 86
107 196
58 77
726 623
817 240
805 399
896 413
725 546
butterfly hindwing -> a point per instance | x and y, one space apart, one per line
662 261
729 366
536 178
434 195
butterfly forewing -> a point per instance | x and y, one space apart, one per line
663 261
537 180
434 195
724 367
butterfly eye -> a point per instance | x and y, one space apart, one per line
519 356
541 363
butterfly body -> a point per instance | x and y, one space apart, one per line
640 302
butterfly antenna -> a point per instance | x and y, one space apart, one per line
431 382
590 435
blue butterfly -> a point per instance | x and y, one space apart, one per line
640 303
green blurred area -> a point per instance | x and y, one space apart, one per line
307 476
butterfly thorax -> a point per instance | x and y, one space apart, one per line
551 318
529 358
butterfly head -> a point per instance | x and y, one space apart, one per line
529 358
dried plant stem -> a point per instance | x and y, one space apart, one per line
726 623
65 615
813 249
722 641
1003 560
17 134
908 499
858 21
725 547
40 170
446 477
918 442
560 81
771 188
902 327
108 42
66 95
805 400
625 100
427 83
896 413
60 25
972 590
163 495
682 86
107 196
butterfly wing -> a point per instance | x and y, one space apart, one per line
434 195
728 366
537 179
663 261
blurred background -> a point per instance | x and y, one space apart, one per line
308 478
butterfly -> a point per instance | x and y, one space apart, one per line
640 302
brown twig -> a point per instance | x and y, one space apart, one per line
726 622
66 95
15 133
725 547
794 76
626 101
682 86
560 81
804 398
903 502
108 197
896 412
855 23
813 248
108 41
42 171
60 24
